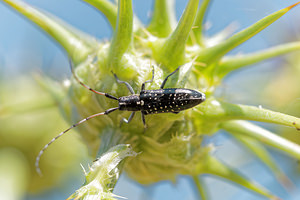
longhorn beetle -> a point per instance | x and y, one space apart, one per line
170 100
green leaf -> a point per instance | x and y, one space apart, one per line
103 174
109 9
163 21
263 135
171 52
77 44
214 53
123 35
231 63
180 78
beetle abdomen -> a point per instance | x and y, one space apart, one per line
169 100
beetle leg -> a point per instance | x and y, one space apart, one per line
127 120
149 81
164 82
127 84
144 121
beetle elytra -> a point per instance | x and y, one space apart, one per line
169 100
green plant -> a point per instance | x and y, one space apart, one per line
174 146
28 118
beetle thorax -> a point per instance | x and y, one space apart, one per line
130 103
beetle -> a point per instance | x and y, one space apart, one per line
169 100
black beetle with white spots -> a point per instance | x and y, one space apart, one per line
169 100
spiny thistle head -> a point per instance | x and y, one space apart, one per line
172 144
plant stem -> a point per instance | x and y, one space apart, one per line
260 134
200 189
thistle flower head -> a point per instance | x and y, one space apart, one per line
171 144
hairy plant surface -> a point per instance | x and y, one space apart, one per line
172 143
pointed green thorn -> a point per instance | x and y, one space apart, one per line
199 21
215 53
163 21
77 44
123 35
229 64
200 187
109 9
171 52
263 135
210 165
212 112
260 151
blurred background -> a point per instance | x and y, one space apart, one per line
29 117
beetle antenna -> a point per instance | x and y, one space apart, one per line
86 86
37 161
